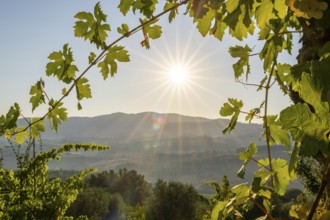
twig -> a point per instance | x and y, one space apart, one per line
266 120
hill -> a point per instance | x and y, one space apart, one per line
168 146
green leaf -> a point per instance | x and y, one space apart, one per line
264 175
37 127
146 7
281 8
311 92
9 121
21 135
249 153
115 53
294 159
91 57
57 114
281 177
242 192
284 77
123 29
232 107
62 66
154 32
37 96
241 172
125 5
217 209
264 13
243 54
239 22
172 13
92 27
83 89
204 23
232 5
280 136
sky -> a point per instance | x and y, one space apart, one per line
31 30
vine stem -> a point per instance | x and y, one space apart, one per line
324 183
266 120
267 168
98 58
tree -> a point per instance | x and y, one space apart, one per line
91 202
128 183
174 200
306 122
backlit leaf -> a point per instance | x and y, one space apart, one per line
37 96
243 54
115 53
125 5
281 177
21 135
57 114
83 89
232 107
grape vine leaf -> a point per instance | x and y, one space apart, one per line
92 27
242 193
146 7
278 135
204 23
173 12
57 114
240 22
9 120
36 127
114 53
125 5
232 107
243 54
284 78
91 57
294 160
62 66
217 210
264 13
246 157
281 176
83 89
311 92
37 96
311 129
21 135
123 29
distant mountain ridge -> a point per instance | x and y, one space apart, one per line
158 145
147 125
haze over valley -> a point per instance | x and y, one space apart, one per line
166 146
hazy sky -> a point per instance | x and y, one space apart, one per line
31 30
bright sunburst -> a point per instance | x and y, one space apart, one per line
178 75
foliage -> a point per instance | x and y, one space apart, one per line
174 200
29 193
91 202
305 123
128 183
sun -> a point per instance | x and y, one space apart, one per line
178 75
